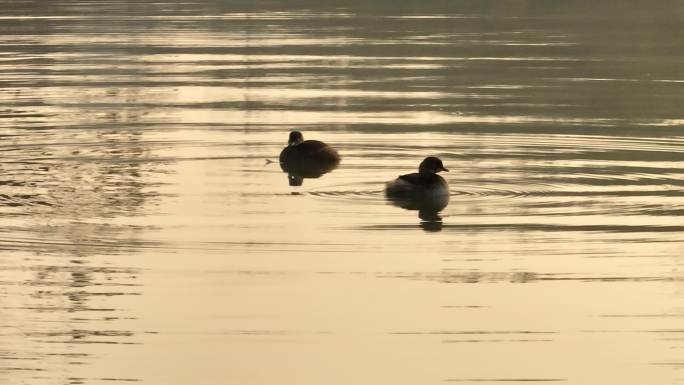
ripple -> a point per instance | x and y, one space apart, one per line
530 109
349 194
501 191
506 379
369 192
448 276
534 176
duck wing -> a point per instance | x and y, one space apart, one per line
318 150
414 178
403 185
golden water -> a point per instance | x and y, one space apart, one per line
146 238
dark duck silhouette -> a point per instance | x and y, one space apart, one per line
424 191
423 184
306 158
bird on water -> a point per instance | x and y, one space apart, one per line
424 184
299 150
307 158
424 191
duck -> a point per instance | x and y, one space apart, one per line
423 191
299 150
422 186
306 158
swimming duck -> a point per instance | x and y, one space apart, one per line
306 158
424 191
299 150
422 185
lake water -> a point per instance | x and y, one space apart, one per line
145 238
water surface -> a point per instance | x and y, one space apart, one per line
145 237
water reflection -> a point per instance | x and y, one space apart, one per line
430 220
66 196
297 172
428 209
128 125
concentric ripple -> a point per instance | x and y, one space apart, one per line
142 230
518 175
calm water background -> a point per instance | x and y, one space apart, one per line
144 237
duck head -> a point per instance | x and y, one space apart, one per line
431 165
296 137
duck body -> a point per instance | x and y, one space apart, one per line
423 190
306 158
309 151
418 185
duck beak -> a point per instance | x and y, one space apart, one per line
444 169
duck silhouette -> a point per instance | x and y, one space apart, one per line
306 159
424 184
424 191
